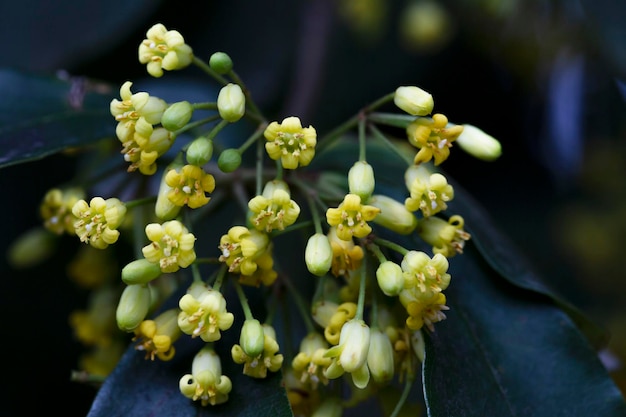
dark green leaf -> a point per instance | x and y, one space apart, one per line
510 352
40 116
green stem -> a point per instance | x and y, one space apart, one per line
243 300
403 397
139 202
253 138
259 167
317 223
246 92
362 144
209 105
393 119
381 136
221 274
206 68
218 127
195 272
195 124
375 249
363 281
304 310
391 245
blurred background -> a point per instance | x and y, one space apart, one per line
545 77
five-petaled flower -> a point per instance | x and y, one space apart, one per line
433 137
189 186
288 141
172 246
164 50
98 220
351 217
203 313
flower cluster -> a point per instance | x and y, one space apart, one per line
373 297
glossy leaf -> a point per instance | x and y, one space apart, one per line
508 352
40 116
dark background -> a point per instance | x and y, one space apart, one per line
541 76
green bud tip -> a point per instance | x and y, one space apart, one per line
221 63
229 160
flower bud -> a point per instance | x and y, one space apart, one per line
31 248
221 63
133 307
390 278
252 338
380 357
164 209
479 144
414 100
393 214
177 115
200 151
229 160
361 180
318 254
231 102
140 271
355 338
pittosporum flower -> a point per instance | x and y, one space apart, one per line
288 141
424 310
203 313
189 186
206 382
231 102
98 220
133 107
318 254
350 355
274 208
433 137
164 50
351 217
156 337
390 278
56 209
240 249
361 180
147 145
424 274
172 246
310 364
429 192
268 359
346 255
380 357
446 237
345 312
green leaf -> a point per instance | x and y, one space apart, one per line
508 352
40 115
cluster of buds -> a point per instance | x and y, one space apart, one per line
351 332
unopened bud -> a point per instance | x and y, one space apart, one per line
393 214
355 338
318 254
177 115
252 338
390 278
200 151
414 100
164 209
231 102
380 357
133 307
361 180
221 63
479 144
140 271
229 160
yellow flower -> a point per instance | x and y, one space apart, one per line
429 192
427 310
148 144
264 273
240 249
310 364
290 142
268 359
433 137
56 209
206 382
189 186
346 255
203 313
164 50
351 217
344 312
156 337
132 107
446 237
97 221
171 245
424 274
274 208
